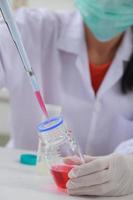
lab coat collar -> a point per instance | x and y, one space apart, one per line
116 70
71 35
72 40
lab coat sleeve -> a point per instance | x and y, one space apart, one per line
125 147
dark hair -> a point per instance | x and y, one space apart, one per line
127 79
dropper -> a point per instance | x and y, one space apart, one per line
15 34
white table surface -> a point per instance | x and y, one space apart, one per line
20 182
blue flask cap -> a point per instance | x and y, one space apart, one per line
50 124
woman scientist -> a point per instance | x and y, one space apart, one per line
84 62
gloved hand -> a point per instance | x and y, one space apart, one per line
102 176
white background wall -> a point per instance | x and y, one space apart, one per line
4 105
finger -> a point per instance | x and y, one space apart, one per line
97 190
89 158
72 160
75 160
89 168
89 180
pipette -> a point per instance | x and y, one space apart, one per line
15 34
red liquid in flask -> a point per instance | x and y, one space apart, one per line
60 174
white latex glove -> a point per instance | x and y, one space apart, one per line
125 147
102 176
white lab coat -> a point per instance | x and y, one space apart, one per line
56 47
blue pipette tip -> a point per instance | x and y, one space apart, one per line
28 159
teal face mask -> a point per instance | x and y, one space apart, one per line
106 18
